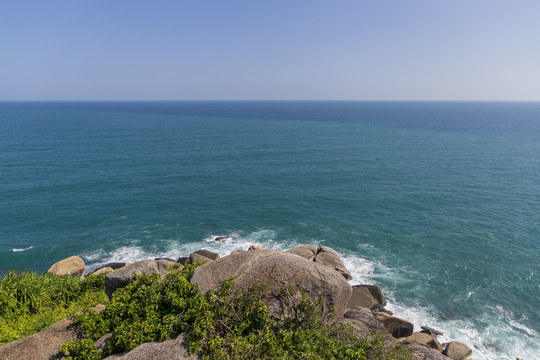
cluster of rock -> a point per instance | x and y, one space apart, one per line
318 269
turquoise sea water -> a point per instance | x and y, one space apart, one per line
436 202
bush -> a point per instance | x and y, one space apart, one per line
222 324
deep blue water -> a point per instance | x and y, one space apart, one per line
436 202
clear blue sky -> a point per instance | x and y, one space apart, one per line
229 49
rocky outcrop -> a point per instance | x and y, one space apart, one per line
426 353
323 255
457 351
121 277
397 327
174 349
44 345
71 266
277 268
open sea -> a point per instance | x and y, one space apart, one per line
438 203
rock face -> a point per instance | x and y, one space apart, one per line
44 345
362 297
169 349
207 253
422 339
73 265
397 327
121 277
323 255
457 351
276 268
425 353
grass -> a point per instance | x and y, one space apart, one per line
30 302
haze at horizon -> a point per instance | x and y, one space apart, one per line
245 50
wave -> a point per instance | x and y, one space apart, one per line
20 250
504 338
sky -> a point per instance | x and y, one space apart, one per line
270 50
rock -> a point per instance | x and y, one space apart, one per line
207 253
365 316
457 351
169 349
255 247
183 260
277 268
360 329
117 265
327 250
165 258
422 339
100 343
397 327
333 261
73 265
121 277
377 294
426 353
197 258
164 264
362 297
102 270
306 251
220 238
44 345
430 331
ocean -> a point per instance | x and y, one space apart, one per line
438 203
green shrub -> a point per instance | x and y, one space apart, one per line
222 324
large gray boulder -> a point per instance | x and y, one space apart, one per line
306 251
44 345
174 349
425 353
123 276
71 266
275 269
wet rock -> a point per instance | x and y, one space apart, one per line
430 331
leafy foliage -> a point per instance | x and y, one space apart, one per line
29 302
222 324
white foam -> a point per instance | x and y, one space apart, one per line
19 250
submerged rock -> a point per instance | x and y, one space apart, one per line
70 266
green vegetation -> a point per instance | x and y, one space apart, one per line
29 302
221 324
